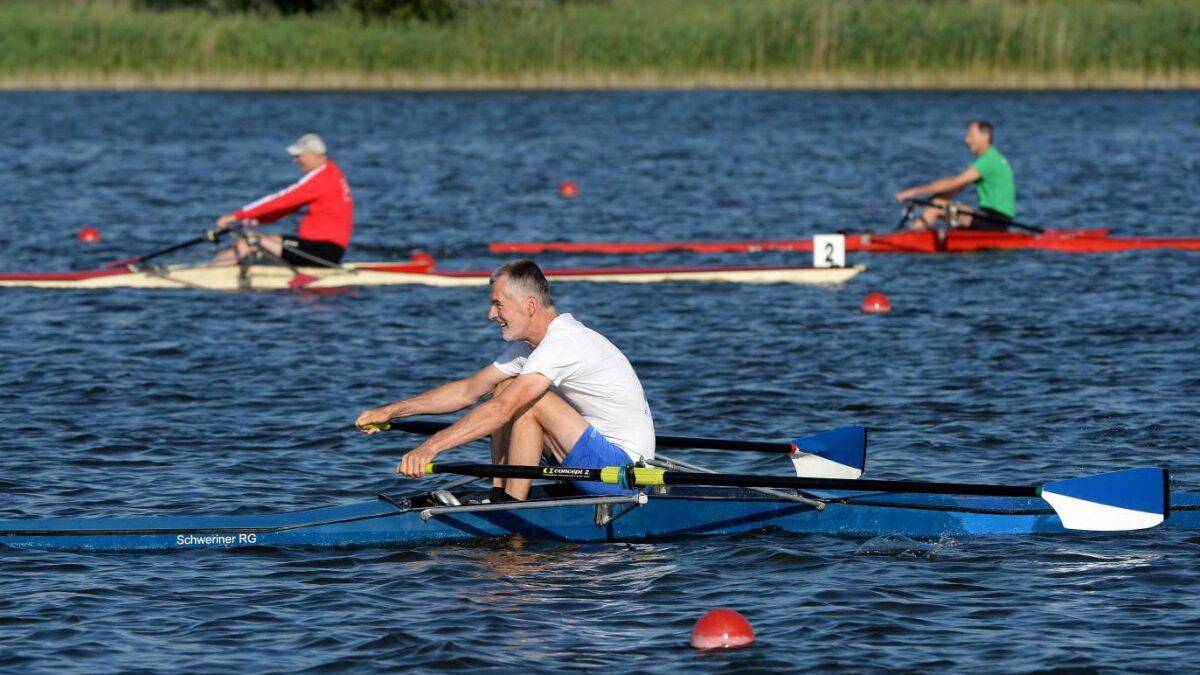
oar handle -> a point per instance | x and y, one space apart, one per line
427 428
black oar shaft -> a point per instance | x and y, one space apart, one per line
209 235
904 218
172 249
507 471
427 427
857 485
637 476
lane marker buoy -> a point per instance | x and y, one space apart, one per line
722 629
876 303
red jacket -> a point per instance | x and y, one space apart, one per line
325 192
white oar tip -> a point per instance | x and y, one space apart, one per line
1132 499
839 453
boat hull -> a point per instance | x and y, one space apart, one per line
685 512
274 278
1096 240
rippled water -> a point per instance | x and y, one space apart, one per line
1002 367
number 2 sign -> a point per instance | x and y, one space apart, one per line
829 250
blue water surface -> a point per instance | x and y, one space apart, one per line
1004 367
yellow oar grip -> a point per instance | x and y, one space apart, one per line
641 476
647 476
379 426
429 468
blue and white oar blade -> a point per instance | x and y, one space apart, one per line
1132 499
840 453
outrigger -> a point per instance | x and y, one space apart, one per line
669 499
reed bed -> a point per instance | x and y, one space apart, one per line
613 43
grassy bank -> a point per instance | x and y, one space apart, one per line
613 43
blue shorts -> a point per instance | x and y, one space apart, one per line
594 451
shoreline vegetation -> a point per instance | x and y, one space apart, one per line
605 44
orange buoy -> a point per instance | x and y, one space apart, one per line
568 189
422 258
876 303
89 235
722 629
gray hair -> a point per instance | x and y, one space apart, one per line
525 278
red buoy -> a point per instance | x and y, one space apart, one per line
722 629
568 189
422 258
876 303
89 235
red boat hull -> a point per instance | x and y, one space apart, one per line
1095 240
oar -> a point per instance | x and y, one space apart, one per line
907 214
213 235
983 216
1132 499
839 453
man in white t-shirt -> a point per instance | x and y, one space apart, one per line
559 388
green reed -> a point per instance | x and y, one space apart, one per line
659 41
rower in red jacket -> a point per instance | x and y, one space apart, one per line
324 231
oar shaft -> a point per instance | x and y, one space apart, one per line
647 477
632 476
209 235
172 249
427 427
606 475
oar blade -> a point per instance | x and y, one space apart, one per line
1133 499
839 453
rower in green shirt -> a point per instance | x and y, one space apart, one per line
993 179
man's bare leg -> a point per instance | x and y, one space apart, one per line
932 214
242 247
550 424
500 438
928 218
500 441
525 444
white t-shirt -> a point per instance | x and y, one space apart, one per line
591 375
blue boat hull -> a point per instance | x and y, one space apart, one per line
685 512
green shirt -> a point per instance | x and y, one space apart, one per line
995 186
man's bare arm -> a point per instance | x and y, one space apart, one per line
446 398
943 186
482 421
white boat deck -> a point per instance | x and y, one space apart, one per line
275 277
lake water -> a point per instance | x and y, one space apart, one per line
1016 367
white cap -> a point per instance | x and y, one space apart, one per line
307 143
